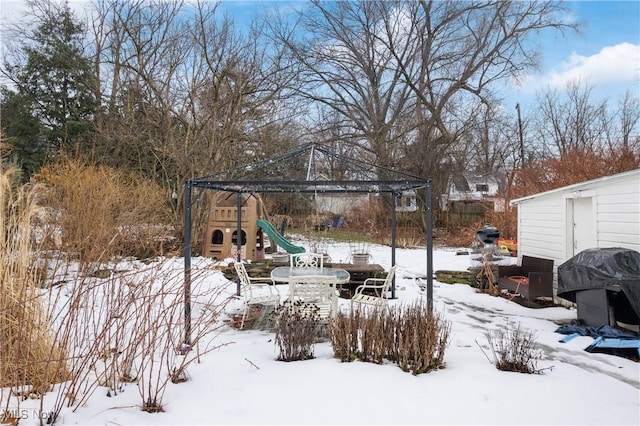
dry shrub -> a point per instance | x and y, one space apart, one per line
514 349
297 327
460 236
369 220
344 335
574 166
422 337
82 331
148 335
130 328
29 357
409 335
102 212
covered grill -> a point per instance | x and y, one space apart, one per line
488 234
605 285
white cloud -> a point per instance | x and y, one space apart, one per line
16 11
612 65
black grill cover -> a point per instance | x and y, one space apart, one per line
608 268
488 234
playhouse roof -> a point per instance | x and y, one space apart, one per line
311 168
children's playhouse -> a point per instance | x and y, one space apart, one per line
221 230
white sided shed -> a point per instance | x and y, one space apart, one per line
560 223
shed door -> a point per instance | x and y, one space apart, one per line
584 225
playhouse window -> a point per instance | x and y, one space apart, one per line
234 238
217 237
259 240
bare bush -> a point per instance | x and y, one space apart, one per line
65 326
422 339
297 327
514 349
70 326
130 328
344 335
101 212
411 336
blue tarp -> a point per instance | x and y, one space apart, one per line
605 331
607 338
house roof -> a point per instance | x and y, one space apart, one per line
580 186
476 178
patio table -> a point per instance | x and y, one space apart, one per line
286 273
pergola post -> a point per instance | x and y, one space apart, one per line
393 240
238 236
429 247
187 262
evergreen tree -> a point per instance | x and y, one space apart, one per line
24 137
55 85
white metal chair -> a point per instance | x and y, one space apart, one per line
256 290
315 290
307 260
374 290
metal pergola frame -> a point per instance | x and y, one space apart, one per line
251 185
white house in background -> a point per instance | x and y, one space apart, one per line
598 213
472 188
339 203
408 201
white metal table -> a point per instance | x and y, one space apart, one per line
286 273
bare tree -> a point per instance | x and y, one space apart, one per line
629 122
411 76
345 67
185 93
575 121
462 50
494 144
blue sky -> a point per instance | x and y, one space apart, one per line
606 55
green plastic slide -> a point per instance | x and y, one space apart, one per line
278 239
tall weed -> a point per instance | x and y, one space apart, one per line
30 358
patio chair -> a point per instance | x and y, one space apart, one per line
317 291
374 290
307 260
532 279
256 290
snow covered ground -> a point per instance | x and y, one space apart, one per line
242 383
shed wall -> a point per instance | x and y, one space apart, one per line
618 214
546 221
